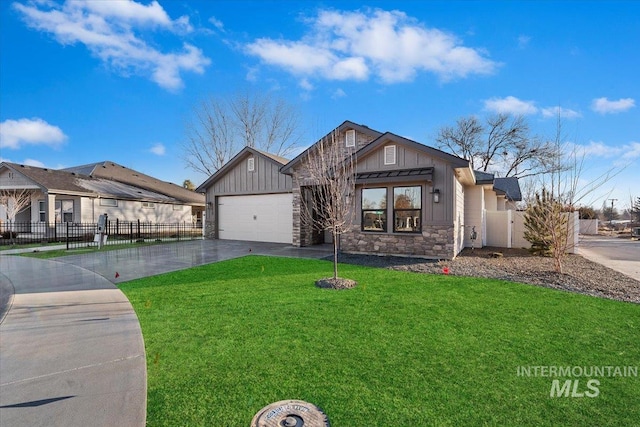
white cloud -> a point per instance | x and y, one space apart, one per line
523 41
510 105
356 45
217 23
631 151
306 85
624 153
34 163
158 149
564 113
338 93
129 10
112 31
604 106
16 133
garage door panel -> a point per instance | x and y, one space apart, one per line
262 218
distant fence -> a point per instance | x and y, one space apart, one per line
81 235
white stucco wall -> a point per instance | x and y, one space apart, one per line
473 211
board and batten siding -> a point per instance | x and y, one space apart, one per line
265 178
443 179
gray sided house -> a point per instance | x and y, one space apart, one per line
410 199
249 199
81 194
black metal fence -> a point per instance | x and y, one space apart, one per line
82 235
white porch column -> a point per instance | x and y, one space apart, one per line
50 208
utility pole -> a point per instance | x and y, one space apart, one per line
611 214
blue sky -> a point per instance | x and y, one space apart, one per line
82 82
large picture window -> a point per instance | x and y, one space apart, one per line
374 209
64 210
407 209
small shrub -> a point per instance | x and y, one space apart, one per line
7 234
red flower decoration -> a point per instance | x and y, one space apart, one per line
445 270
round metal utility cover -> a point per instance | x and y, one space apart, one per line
290 413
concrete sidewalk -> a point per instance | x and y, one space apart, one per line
71 348
622 255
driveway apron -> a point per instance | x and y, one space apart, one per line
71 347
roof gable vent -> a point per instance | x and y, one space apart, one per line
390 155
350 138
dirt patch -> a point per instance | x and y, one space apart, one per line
339 283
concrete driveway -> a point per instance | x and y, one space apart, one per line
622 255
71 348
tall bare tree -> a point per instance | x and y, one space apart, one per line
502 145
547 220
14 201
329 171
222 126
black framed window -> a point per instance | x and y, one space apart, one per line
42 212
374 209
407 209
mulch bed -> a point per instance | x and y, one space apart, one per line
518 265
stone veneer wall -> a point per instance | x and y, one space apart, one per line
435 241
210 230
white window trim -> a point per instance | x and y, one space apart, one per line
109 202
148 205
350 138
251 164
390 155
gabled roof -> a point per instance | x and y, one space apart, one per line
52 180
242 154
345 125
508 186
115 172
84 181
483 177
455 161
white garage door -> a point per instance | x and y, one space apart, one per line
259 218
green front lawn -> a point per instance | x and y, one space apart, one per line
226 339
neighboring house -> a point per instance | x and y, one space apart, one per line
410 199
80 194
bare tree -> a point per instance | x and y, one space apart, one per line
548 222
220 127
503 145
14 201
330 173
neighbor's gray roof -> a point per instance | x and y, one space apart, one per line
76 181
483 177
115 172
508 186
